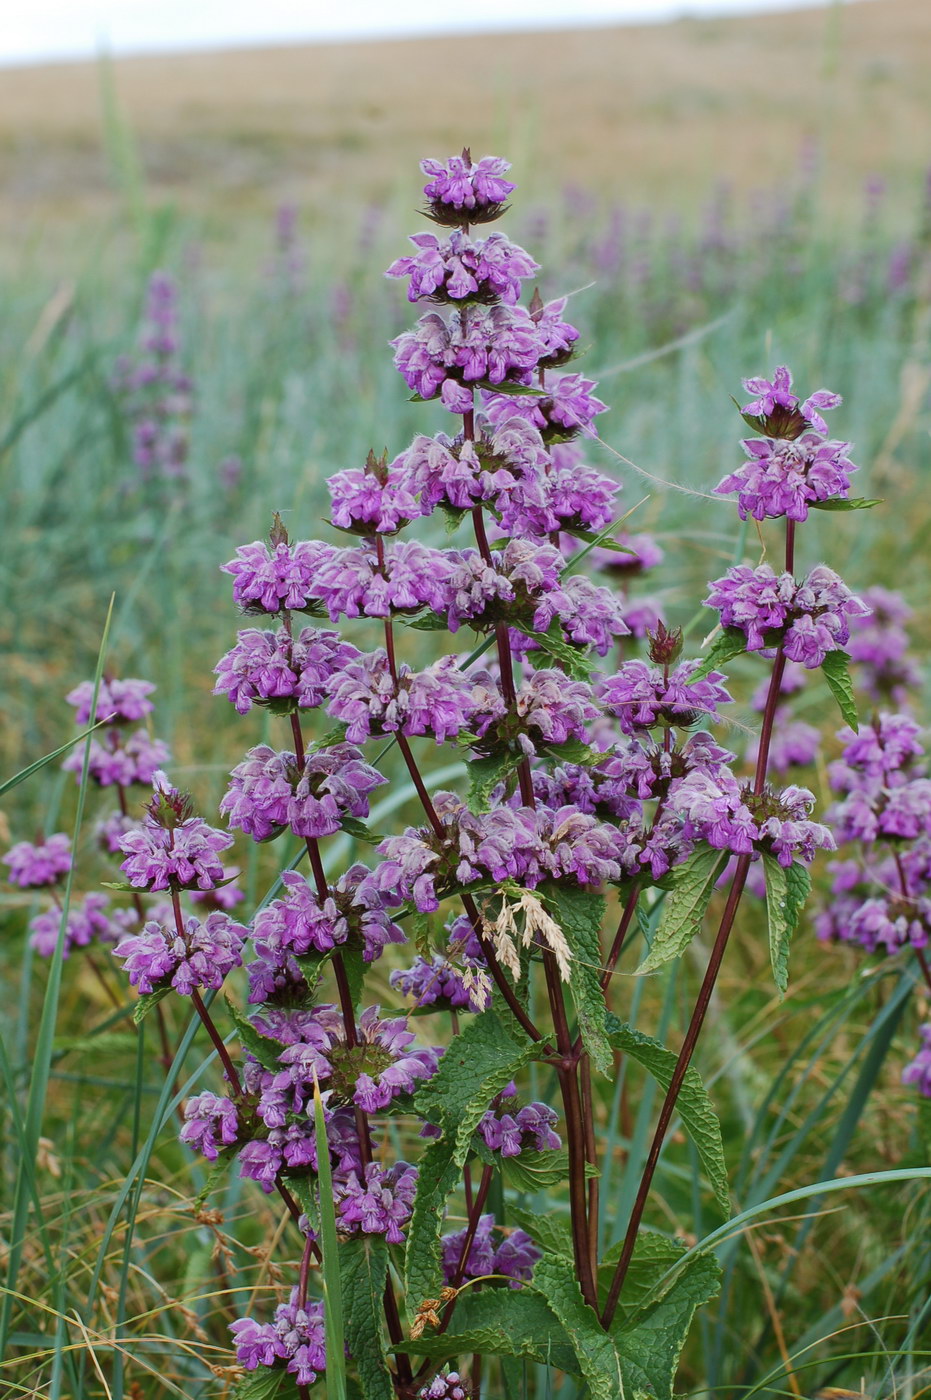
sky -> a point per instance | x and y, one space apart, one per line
49 29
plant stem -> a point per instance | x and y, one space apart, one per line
229 1068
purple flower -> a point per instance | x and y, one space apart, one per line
461 269
489 343
570 496
85 922
452 1386
173 852
34 866
549 710
297 1337
731 817
369 700
373 500
273 580
568 407
210 1122
879 645
274 666
643 696
299 923
812 616
444 986
117 701
461 473
783 477
466 191
268 792
529 1128
111 829
557 336
777 405
377 1201
355 583
199 956
515 1256
919 1070
117 761
385 1061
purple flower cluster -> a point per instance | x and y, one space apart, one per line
548 711
918 1071
300 923
730 817
155 392
644 696
376 1200
197 955
779 409
174 857
466 191
493 344
118 701
566 408
277 579
365 583
460 473
879 646
34 866
374 500
452 1386
464 269
210 1123
784 478
369 699
530 1128
811 618
275 666
297 1337
120 761
269 793
91 919
514 1256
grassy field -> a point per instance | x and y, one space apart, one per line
702 185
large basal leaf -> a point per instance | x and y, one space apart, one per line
551 1230
684 907
651 1341
363 1263
502 1322
693 1104
599 1359
579 914
836 670
477 1065
654 1255
731 642
786 893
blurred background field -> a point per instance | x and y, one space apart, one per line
719 196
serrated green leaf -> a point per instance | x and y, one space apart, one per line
147 1002
851 503
535 1171
599 1360
484 776
120 886
476 1066
732 642
575 661
266 1050
264 1383
693 1105
551 1230
355 968
363 1270
836 670
215 1175
359 831
511 390
786 893
654 1254
312 966
579 914
427 622
502 1322
650 1341
453 517
684 907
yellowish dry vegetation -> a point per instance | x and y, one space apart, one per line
651 113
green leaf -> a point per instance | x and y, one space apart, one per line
533 1171
654 1255
684 907
359 831
363 1271
484 776
121 887
836 670
25 773
579 914
551 1230
731 642
693 1104
266 1050
215 1175
427 622
453 517
851 503
786 893
330 1265
512 390
312 965
264 1383
599 1361
476 1066
147 1002
355 968
502 1322
575 661
651 1341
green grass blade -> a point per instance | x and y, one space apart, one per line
329 1245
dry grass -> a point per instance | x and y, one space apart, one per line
648 113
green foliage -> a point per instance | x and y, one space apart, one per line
693 1104
650 1341
484 776
502 1322
836 671
575 661
535 1171
786 893
266 1050
265 1383
730 642
684 907
597 1351
580 913
147 1002
363 1271
837 503
331 1261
